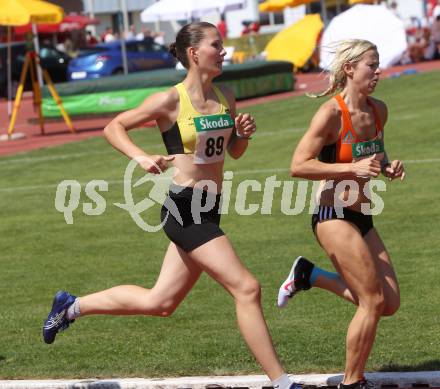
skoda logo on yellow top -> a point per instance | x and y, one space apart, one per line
213 122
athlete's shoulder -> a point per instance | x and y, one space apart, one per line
227 91
379 104
327 120
170 96
330 109
381 107
166 100
160 104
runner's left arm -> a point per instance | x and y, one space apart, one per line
390 169
244 127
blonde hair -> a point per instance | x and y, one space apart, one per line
349 51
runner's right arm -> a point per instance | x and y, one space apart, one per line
154 107
325 124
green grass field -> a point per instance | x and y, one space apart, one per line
40 254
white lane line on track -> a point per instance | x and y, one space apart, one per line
61 157
237 172
260 134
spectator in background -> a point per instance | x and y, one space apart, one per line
108 35
29 40
47 44
69 47
131 33
418 47
394 10
433 51
435 33
159 37
145 33
436 11
255 27
102 35
222 27
91 40
250 27
246 28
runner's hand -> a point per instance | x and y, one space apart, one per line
394 170
244 125
155 164
367 167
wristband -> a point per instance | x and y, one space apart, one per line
383 167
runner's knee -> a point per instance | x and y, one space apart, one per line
159 305
248 290
167 308
374 303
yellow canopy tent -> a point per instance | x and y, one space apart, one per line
18 13
297 42
279 5
351 2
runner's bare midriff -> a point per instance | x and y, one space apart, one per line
189 174
349 192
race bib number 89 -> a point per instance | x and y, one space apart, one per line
212 133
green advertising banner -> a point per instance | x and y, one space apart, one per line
95 103
102 102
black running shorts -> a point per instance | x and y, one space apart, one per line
361 221
191 217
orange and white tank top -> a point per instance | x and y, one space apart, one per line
349 145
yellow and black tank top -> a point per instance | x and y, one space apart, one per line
205 136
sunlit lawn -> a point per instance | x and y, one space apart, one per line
40 254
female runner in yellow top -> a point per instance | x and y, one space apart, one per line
198 123
344 148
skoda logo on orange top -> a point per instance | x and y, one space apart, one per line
364 149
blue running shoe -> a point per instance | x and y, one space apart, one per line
57 320
294 385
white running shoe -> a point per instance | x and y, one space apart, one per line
298 279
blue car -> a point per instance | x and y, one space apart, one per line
105 59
